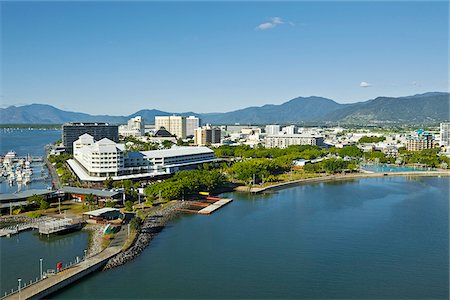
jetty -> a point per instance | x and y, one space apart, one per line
214 206
53 283
10 230
210 205
59 226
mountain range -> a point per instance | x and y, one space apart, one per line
427 108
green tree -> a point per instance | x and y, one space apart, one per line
35 200
44 205
108 183
129 205
90 200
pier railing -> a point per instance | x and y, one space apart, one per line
45 275
10 230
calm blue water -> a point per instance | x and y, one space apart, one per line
27 141
361 239
24 142
20 255
382 168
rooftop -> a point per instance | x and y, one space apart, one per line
87 191
24 194
177 151
101 211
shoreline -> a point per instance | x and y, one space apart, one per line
151 226
338 177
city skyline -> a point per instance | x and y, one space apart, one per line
216 57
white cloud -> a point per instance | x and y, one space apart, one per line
277 20
265 26
364 84
274 22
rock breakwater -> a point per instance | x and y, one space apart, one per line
151 226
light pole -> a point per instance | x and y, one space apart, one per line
40 266
19 280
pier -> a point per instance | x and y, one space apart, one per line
8 231
59 226
53 283
210 205
214 206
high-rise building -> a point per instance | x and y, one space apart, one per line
445 134
272 129
419 141
192 123
174 124
72 131
207 135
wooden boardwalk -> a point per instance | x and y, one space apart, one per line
214 206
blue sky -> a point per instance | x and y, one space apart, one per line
119 57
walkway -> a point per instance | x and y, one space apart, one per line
55 282
345 177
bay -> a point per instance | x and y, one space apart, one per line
360 239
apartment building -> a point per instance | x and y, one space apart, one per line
174 124
192 123
207 135
286 140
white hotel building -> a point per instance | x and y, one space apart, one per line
96 161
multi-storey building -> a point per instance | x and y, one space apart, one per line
291 129
272 129
135 127
72 131
192 123
174 124
207 135
445 134
419 141
94 161
286 140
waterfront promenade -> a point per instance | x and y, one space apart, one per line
340 177
53 283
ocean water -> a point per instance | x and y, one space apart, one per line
24 142
20 254
362 239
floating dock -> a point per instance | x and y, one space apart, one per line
214 206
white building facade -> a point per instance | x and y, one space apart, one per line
286 140
135 127
96 161
444 133
192 123
272 129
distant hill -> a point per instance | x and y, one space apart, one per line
47 114
297 110
424 108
